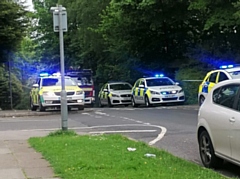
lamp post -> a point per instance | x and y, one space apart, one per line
60 25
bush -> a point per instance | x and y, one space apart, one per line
186 77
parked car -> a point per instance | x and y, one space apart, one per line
115 93
156 90
218 129
225 72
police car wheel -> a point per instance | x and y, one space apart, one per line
99 103
33 108
147 103
109 103
81 108
201 100
41 108
133 103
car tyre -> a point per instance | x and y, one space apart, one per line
99 103
147 103
41 108
33 108
133 102
109 103
201 100
80 108
207 153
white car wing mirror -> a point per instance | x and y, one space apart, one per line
35 86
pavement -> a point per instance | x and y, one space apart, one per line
17 159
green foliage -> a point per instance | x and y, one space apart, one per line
185 75
17 90
13 23
61 133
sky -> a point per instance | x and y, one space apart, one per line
30 4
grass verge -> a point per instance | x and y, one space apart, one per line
107 157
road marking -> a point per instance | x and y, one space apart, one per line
125 131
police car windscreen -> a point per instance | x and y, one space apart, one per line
120 86
83 80
235 74
57 82
159 82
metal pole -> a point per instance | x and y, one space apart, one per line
64 110
10 84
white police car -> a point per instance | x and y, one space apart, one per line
225 72
156 90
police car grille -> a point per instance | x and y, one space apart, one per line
169 99
125 95
68 93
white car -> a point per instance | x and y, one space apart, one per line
115 93
156 90
218 129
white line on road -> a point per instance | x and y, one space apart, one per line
125 131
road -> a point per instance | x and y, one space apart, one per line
172 128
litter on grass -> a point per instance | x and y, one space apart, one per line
150 155
131 149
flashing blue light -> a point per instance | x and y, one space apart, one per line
43 74
159 75
226 66
57 74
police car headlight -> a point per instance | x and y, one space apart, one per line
48 93
114 95
180 91
154 92
79 92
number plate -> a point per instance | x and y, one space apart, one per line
169 96
68 98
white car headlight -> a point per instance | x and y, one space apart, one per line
154 92
79 92
48 93
115 95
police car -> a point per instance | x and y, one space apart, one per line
156 90
115 93
226 72
46 92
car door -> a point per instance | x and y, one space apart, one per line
222 77
235 131
211 81
141 91
221 113
135 91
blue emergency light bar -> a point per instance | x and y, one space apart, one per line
226 66
43 74
159 75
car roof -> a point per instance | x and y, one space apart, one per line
57 77
118 82
149 78
226 70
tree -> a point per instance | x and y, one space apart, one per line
13 23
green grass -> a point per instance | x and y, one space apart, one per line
107 157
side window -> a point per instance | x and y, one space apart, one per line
137 83
213 77
225 95
142 83
222 77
